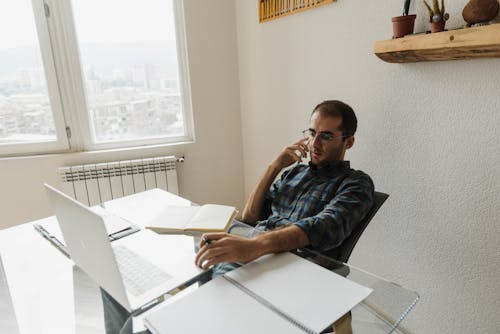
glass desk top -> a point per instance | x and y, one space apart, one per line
384 309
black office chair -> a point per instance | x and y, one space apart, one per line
348 245
343 252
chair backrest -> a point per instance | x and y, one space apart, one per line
348 245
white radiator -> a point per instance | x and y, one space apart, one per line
93 184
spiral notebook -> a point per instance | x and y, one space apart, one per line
116 226
280 293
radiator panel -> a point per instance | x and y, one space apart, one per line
93 184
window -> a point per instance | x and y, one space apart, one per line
91 74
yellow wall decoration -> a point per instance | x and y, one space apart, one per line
274 9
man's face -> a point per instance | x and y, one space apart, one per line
324 150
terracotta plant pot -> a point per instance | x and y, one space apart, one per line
403 25
438 26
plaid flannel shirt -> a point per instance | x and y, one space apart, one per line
326 203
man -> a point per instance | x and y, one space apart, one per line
315 205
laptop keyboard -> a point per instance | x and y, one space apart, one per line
139 275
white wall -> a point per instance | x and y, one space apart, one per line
213 168
428 135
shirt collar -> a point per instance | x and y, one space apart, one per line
330 167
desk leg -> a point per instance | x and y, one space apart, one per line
89 314
343 325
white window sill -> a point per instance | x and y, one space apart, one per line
144 151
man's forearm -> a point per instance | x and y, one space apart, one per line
222 247
281 240
253 207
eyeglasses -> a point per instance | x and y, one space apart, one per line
323 136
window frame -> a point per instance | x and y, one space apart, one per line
61 56
61 142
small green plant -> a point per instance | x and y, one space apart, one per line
436 14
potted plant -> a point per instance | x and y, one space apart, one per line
403 25
437 15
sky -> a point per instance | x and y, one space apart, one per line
97 21
110 33
17 25
130 20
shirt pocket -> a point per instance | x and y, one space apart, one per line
318 197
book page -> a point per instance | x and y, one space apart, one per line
212 217
173 217
290 283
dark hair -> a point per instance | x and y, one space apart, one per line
334 108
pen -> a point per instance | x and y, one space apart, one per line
206 240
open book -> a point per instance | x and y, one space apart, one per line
192 220
167 213
280 293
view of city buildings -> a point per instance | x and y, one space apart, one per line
124 103
137 102
25 112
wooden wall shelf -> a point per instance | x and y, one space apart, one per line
467 43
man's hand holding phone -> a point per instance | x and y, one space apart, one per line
291 154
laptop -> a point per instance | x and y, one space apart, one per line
135 270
